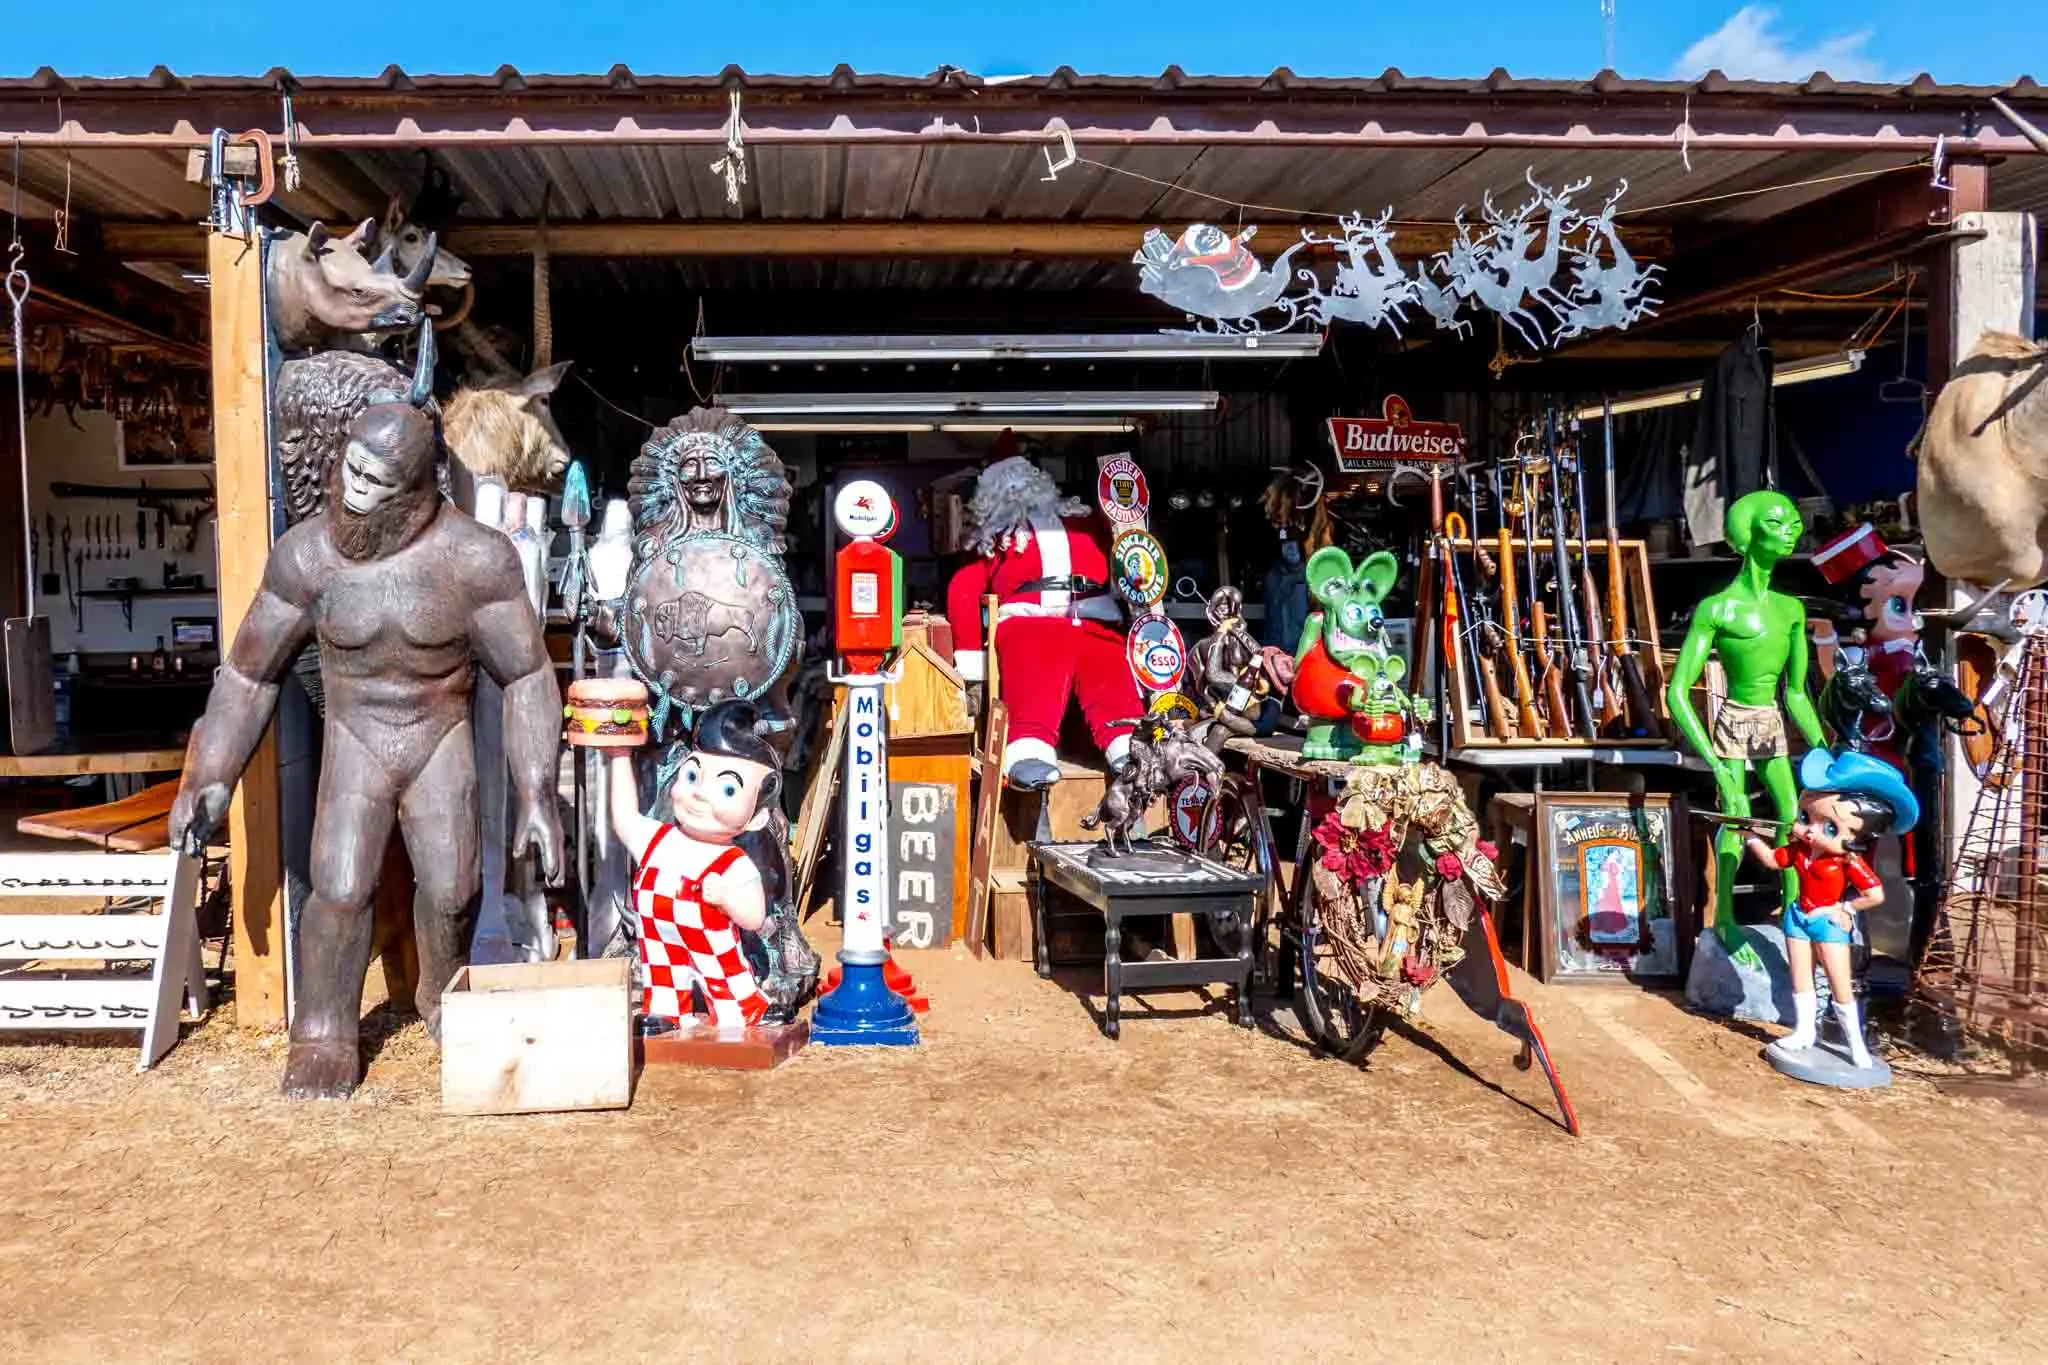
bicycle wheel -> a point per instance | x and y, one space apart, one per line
1234 833
1337 1020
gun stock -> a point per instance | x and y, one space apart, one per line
1640 705
1510 615
1553 676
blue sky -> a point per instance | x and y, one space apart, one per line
1876 39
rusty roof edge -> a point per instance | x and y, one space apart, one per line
1281 83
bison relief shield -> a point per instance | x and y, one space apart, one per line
709 612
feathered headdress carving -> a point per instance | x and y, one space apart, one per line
757 489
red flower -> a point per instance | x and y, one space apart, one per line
1487 850
1449 867
1378 852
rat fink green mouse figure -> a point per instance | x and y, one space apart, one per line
1346 674
1760 638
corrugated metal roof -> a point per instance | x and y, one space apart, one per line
1062 80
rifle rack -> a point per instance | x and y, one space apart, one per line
1468 733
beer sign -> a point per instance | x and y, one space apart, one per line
1366 444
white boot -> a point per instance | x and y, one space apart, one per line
1851 1021
1805 1024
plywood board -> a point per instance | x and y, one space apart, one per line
987 823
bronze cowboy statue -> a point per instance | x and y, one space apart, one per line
406 596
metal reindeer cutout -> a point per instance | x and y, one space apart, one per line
1370 286
1546 271
1606 296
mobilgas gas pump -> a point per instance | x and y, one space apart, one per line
862 1009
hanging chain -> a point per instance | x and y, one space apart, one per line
17 294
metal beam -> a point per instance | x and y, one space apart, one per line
989 239
367 115
1879 220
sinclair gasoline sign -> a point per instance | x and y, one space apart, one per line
1364 444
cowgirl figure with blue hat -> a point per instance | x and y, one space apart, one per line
1848 800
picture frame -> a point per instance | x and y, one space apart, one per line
1614 887
134 457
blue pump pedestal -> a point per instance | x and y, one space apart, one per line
862 1011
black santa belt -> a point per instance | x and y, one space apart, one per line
1071 583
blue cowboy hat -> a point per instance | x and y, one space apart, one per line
1849 771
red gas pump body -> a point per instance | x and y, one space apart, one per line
867 623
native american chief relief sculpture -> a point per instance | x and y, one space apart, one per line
406 596
709 614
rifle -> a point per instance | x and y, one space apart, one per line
1606 682
1482 634
1642 708
1567 610
1531 725
1489 707
1551 680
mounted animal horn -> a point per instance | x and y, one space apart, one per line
416 278
423 367
2026 129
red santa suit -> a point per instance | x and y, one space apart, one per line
1059 633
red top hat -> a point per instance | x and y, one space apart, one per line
1841 558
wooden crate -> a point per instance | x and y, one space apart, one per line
531 1037
1642 628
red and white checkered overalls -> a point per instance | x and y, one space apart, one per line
678 931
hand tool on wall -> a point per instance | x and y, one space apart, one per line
160 520
76 586
50 539
141 528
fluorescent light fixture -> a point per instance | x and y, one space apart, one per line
1045 427
1084 346
1041 426
963 406
1801 372
851 427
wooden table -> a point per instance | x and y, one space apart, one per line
134 824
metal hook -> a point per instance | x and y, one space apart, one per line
1068 156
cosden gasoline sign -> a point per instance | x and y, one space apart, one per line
921 832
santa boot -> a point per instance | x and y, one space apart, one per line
1805 1020
1851 1020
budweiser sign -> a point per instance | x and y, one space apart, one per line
1394 437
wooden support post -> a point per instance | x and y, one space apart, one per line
241 454
1981 283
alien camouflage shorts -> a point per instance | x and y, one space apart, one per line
1749 732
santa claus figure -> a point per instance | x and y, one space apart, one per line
1058 630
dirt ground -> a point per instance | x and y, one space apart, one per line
1020 1188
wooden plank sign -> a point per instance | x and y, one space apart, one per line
922 830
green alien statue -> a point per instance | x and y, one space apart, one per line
1760 638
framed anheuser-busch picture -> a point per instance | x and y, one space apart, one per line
1613 894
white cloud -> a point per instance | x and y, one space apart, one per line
1750 47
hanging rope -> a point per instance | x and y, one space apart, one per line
17 294
1242 206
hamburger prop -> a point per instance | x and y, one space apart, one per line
605 713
